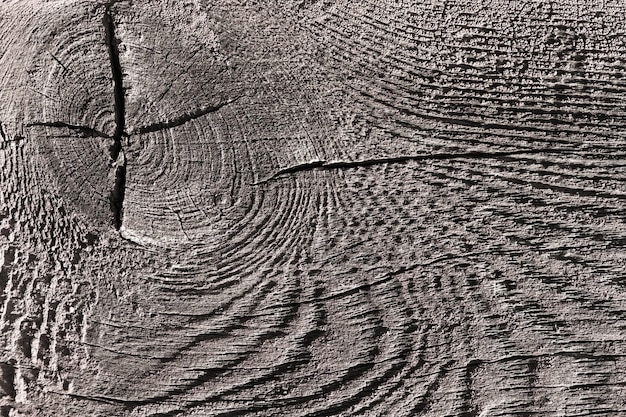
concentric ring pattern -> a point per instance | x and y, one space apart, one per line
77 108
379 208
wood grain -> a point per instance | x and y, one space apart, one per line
312 208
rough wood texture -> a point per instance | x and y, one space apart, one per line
312 208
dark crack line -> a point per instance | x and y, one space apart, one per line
84 130
334 165
180 222
118 86
59 62
181 120
117 193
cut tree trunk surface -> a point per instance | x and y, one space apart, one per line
312 208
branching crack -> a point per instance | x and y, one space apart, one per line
181 120
332 165
59 62
117 153
83 130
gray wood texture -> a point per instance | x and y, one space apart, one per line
312 208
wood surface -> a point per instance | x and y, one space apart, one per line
312 208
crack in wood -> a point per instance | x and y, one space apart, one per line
84 130
337 165
116 150
59 62
181 120
118 158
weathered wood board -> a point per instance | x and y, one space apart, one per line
312 208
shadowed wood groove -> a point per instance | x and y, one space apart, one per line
323 165
83 130
374 208
117 153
